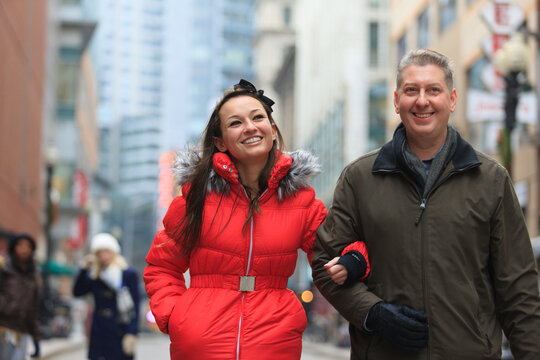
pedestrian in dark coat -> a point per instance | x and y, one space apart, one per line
106 275
19 299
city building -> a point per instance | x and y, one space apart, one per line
23 40
340 83
284 85
73 132
161 66
331 98
275 36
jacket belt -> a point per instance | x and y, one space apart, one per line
239 283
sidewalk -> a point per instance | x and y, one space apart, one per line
326 349
50 348
55 346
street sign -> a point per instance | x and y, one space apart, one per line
502 16
492 43
487 106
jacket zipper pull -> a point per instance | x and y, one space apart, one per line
422 207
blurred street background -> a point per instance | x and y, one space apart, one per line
157 347
96 96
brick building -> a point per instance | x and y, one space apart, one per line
22 73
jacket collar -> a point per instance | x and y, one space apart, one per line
291 173
387 161
224 167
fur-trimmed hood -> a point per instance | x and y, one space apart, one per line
292 172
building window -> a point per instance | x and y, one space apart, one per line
377 115
377 3
402 47
423 30
373 44
447 13
474 74
287 15
327 144
66 90
67 83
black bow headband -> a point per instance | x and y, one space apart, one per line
246 85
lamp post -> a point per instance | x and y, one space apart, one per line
510 62
51 159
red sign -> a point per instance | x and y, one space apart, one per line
79 229
165 186
80 188
492 43
79 226
165 180
502 16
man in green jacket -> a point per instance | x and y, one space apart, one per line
452 265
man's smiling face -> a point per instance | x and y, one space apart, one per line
424 103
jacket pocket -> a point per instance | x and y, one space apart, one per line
483 330
301 315
480 321
178 314
285 310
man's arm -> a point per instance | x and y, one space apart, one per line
515 277
402 327
339 230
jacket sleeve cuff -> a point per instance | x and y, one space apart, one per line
356 266
361 247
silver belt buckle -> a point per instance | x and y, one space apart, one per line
247 283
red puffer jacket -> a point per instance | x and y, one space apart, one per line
238 305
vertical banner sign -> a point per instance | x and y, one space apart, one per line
79 226
165 185
503 18
501 13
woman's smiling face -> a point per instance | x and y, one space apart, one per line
247 133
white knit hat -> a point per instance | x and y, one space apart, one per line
104 241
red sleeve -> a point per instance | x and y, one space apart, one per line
164 274
317 214
359 246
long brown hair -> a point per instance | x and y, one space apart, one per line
188 233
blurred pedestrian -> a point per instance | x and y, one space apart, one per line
19 299
114 285
245 210
451 259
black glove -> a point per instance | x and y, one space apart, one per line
37 352
401 326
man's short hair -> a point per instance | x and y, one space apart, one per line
423 57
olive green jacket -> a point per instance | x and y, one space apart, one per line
462 255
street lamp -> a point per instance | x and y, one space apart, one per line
51 158
510 62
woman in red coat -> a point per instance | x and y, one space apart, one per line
245 209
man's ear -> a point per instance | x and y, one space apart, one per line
396 102
220 144
453 100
